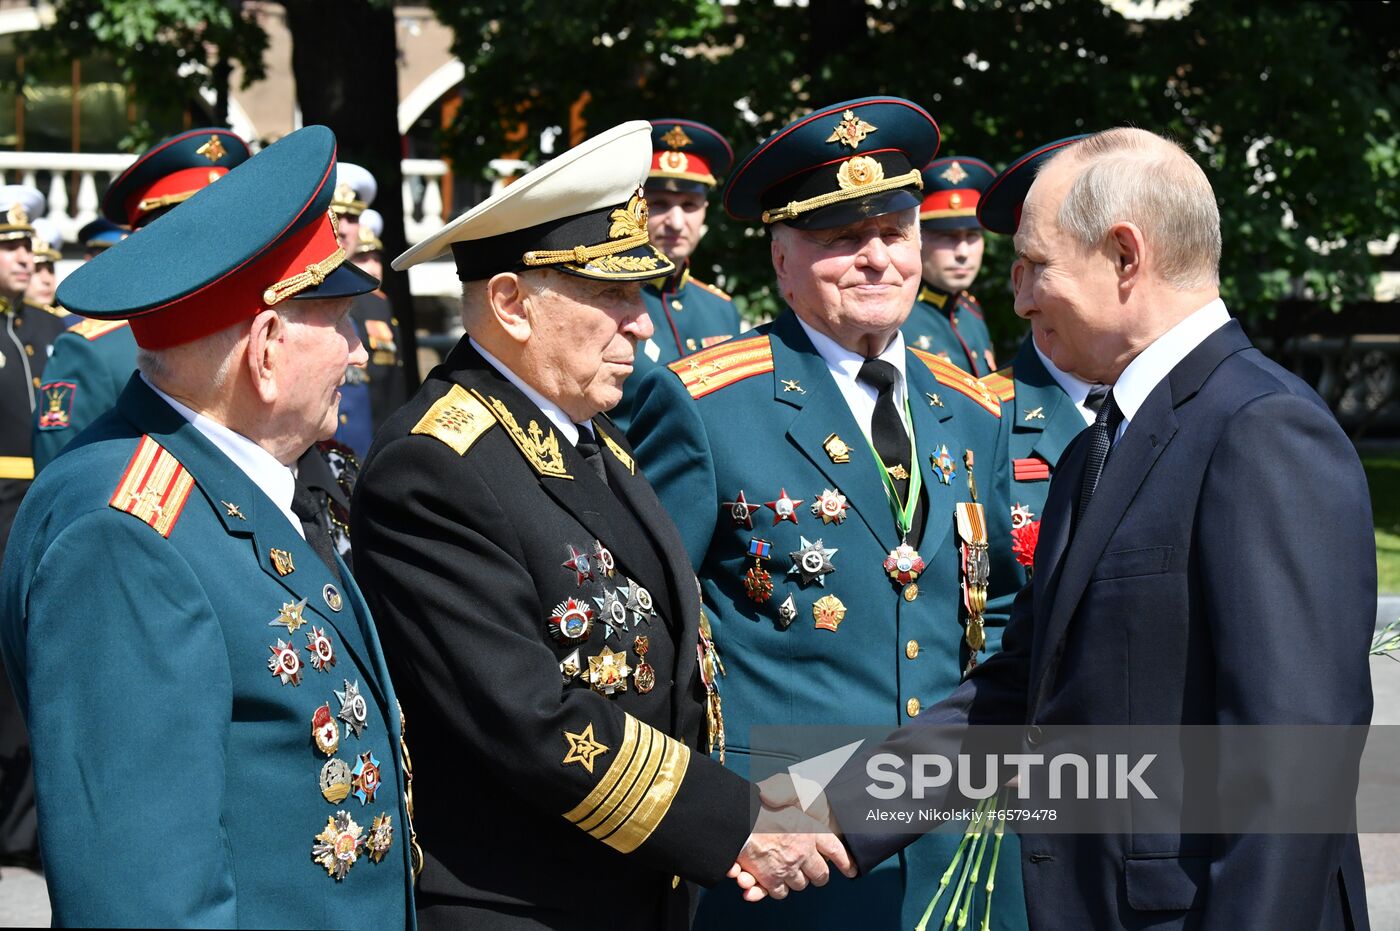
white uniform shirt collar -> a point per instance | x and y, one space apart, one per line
1155 363
1072 385
554 412
262 468
844 366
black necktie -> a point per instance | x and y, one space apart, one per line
1100 441
1095 399
307 508
587 447
887 432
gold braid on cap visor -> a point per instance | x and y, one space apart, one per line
629 222
313 276
851 188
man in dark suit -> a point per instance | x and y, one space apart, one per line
1188 574
537 599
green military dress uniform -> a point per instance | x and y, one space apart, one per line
1043 422
90 366
760 419
172 760
951 326
688 315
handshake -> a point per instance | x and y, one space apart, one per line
789 848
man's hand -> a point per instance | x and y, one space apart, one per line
787 851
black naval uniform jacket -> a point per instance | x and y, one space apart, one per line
24 348
539 801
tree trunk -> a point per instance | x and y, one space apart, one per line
345 61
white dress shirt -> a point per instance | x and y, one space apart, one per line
262 468
1155 363
562 422
844 366
1074 386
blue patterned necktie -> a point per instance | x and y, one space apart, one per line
1100 441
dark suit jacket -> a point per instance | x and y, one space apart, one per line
464 544
1224 573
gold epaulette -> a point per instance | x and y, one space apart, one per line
457 419
50 309
616 449
154 487
711 288
711 369
636 792
91 329
1002 384
950 376
930 296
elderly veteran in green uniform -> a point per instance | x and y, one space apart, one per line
29 334
216 738
947 320
832 484
687 314
1047 408
92 362
540 615
373 391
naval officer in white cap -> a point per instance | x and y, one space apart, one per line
540 614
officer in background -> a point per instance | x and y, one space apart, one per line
535 600
369 246
217 742
99 235
1045 406
92 362
947 320
841 496
374 391
687 161
47 246
24 351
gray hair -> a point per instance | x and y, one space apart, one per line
1136 176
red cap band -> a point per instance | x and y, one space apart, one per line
957 203
668 163
238 295
170 189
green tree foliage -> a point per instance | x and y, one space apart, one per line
1291 108
167 50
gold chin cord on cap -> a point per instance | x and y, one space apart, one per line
627 229
313 276
852 186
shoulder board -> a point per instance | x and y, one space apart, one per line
711 288
92 329
950 376
971 304
1002 384
457 419
711 369
154 487
930 296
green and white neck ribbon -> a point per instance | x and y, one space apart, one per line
903 510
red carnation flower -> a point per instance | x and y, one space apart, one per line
1023 542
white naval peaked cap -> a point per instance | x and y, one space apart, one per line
355 189
581 212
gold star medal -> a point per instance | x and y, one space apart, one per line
289 616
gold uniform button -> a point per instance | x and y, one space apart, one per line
36 382
675 305
675 882
344 419
911 649
912 706
29 350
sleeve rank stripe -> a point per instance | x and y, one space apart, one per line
950 376
1001 384
91 329
635 794
457 419
154 487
